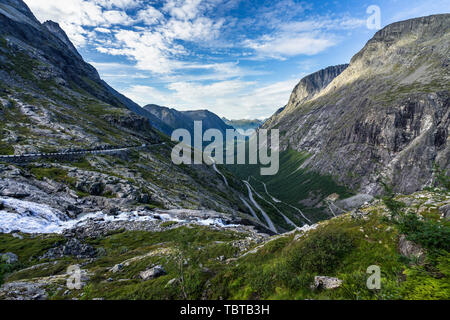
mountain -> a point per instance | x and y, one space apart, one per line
185 119
244 124
97 195
59 59
51 101
385 117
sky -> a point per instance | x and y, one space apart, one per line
238 58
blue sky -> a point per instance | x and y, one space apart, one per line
237 58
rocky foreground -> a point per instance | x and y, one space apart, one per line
167 258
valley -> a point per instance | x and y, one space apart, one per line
87 181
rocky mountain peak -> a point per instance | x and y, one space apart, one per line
419 29
20 6
386 113
56 30
18 10
314 83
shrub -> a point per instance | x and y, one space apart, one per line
430 234
322 252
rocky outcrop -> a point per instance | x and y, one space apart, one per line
73 247
321 282
9 258
410 249
23 291
310 85
152 273
384 117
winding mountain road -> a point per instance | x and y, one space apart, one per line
34 156
279 201
265 215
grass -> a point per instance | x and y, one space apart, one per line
205 263
6 149
56 174
27 249
292 184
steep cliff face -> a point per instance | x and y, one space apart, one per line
306 89
55 57
385 116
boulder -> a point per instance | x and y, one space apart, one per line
354 202
445 211
22 291
117 268
73 211
96 189
410 249
73 247
359 214
322 282
152 273
113 211
9 258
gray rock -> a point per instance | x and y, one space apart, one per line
359 214
445 211
18 236
22 291
73 211
172 282
114 211
152 273
410 249
354 202
322 282
362 124
117 268
96 189
73 247
9 258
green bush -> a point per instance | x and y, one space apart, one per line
322 252
4 270
430 234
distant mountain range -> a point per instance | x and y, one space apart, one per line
174 119
244 124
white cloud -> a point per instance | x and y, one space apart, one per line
308 37
120 4
160 40
102 30
150 16
117 17
183 9
289 46
232 99
75 15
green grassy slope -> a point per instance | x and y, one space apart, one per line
298 187
209 264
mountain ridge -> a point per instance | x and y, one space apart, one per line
175 119
387 113
66 56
